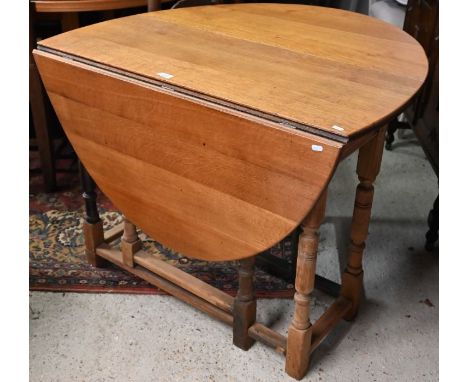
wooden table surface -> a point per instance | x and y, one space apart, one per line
217 129
336 72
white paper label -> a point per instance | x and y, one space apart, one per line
317 148
336 127
167 76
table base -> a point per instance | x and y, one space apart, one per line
240 311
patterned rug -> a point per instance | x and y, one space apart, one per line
57 261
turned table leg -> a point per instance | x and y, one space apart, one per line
92 226
245 305
368 166
300 330
130 242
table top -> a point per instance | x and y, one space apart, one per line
337 72
84 5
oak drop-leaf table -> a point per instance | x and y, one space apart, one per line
217 129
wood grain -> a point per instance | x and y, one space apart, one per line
270 337
257 331
328 320
113 233
130 243
300 331
85 5
115 256
190 283
368 166
207 161
316 66
206 181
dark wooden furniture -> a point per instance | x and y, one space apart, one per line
422 22
220 128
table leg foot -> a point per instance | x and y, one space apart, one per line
353 291
298 356
93 236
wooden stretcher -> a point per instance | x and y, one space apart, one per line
216 131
